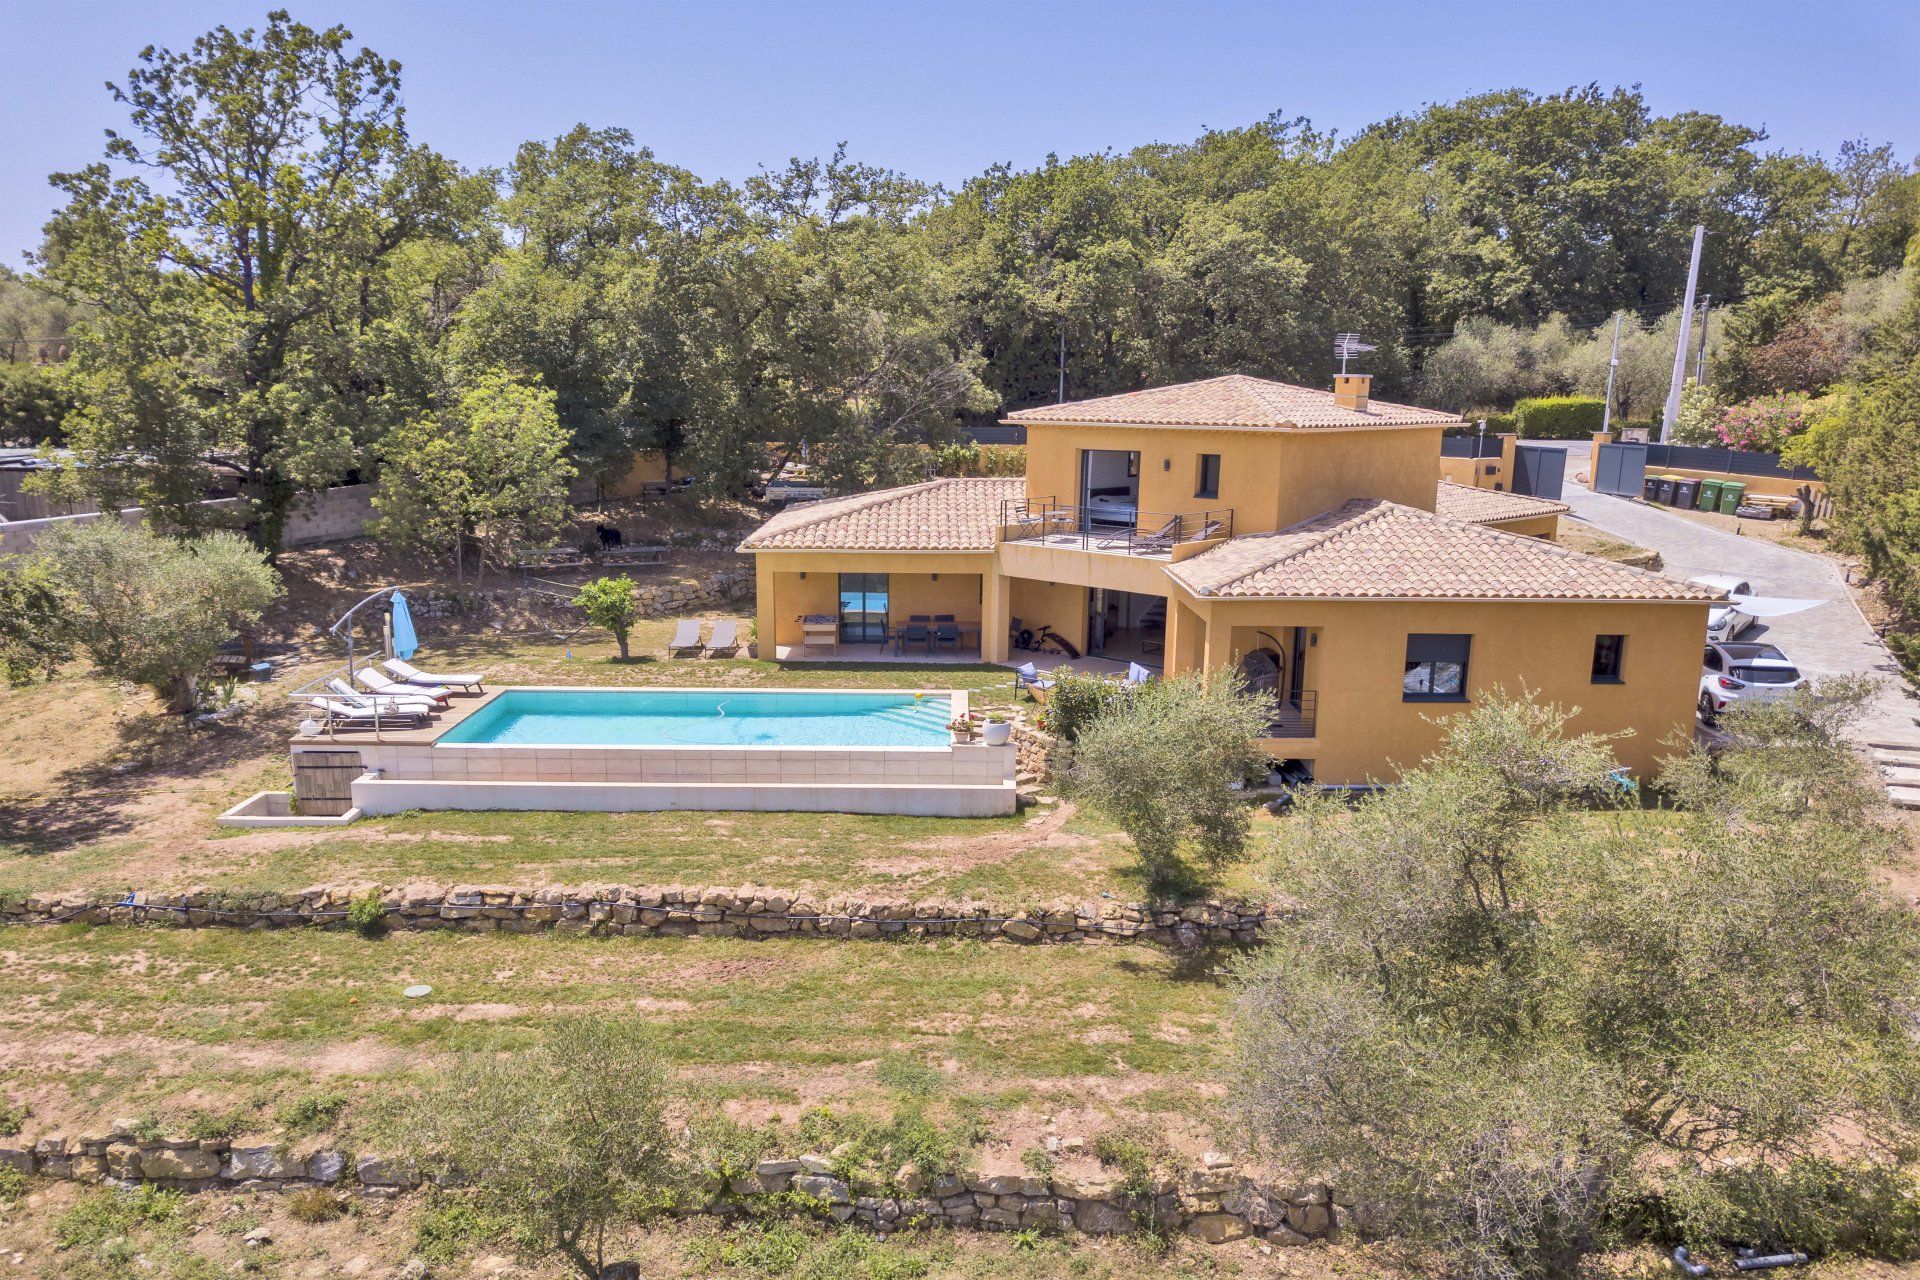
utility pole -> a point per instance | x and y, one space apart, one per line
1613 366
1700 357
1672 414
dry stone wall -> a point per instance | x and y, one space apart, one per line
725 589
1214 1203
683 911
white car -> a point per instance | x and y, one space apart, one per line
1725 621
1736 672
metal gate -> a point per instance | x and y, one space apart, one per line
1619 468
1539 472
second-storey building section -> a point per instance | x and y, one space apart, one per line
1302 537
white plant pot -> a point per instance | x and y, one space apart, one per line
997 734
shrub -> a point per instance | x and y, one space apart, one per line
560 1142
1166 764
1764 424
868 1148
1558 417
368 915
100 1215
452 1225
314 1204
13 1115
310 1113
613 603
13 1184
1492 993
1497 423
1078 699
204 1125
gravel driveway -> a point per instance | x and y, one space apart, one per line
1830 639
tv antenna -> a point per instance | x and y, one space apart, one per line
1347 346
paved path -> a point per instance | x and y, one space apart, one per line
1830 639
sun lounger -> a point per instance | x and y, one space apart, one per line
686 640
411 703
381 682
363 715
725 642
407 673
1027 676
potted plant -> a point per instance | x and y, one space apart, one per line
997 731
961 728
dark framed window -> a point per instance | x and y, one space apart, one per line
1209 485
1607 651
863 608
1436 668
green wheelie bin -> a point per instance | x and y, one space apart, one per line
1710 495
1730 494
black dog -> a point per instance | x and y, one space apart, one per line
609 536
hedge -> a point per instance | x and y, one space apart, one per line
1558 417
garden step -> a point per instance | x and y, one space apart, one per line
1898 775
1904 797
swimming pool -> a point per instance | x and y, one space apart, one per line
705 717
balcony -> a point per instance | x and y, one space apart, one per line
1118 531
1296 717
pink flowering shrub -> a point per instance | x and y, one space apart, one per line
1765 423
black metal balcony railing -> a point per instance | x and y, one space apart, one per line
1296 716
1096 528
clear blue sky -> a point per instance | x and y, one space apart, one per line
942 90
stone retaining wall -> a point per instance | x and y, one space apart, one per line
675 911
721 590
1214 1203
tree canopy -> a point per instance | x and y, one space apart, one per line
267 275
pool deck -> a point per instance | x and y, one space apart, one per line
461 706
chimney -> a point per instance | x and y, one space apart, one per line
1350 390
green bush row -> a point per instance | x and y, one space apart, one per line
1558 417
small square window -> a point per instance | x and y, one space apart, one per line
1209 485
1607 651
1436 669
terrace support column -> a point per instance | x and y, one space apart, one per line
996 608
765 612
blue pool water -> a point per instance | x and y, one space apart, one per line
692 717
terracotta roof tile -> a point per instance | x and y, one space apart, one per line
1368 549
940 515
1236 401
1490 506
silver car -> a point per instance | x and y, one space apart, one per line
1725 620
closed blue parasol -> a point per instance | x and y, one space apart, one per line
404 641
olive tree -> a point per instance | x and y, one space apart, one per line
149 608
1515 1018
1165 763
563 1142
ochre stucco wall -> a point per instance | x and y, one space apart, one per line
1365 726
1547 527
1060 605
784 596
1269 479
649 467
1322 469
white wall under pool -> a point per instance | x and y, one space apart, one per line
946 779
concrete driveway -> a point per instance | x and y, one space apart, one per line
1827 640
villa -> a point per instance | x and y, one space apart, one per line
1303 536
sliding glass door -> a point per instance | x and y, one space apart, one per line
863 608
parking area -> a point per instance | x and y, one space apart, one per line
1828 640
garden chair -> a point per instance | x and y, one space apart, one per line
946 635
381 682
1026 676
686 640
350 694
407 673
725 642
915 632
